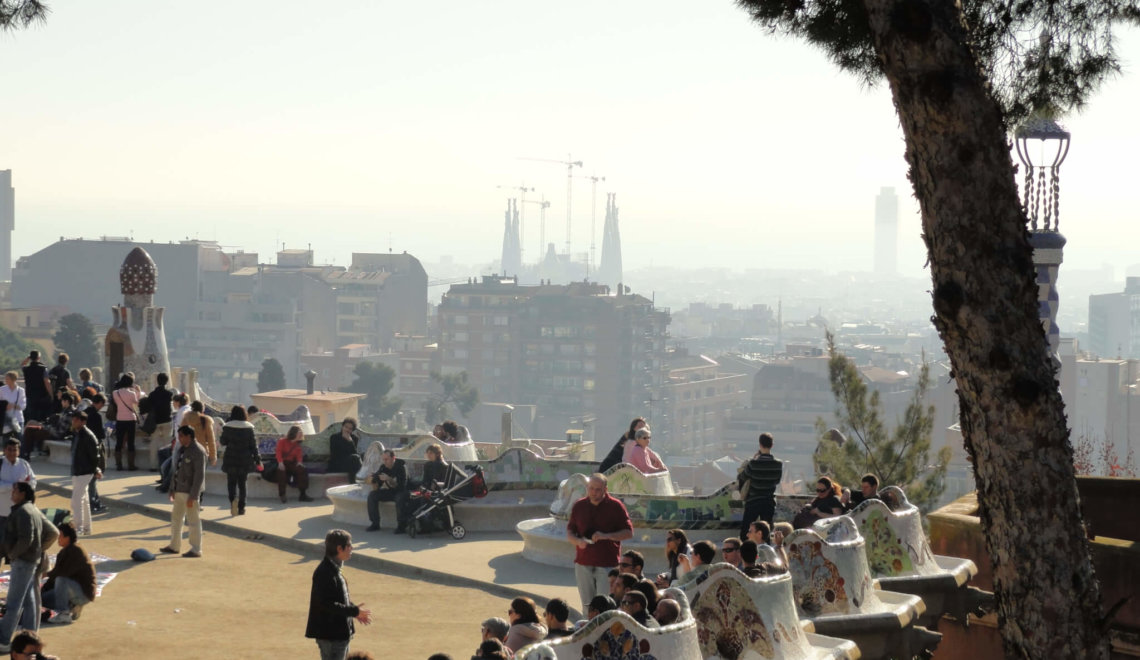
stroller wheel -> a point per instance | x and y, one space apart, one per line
458 531
413 529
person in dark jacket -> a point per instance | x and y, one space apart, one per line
71 582
343 454
84 469
436 471
38 388
331 611
389 484
240 458
95 423
160 400
615 455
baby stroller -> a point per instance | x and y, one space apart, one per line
433 507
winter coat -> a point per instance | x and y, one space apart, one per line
241 454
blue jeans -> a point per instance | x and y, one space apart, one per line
64 595
333 649
22 608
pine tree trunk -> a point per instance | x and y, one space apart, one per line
985 302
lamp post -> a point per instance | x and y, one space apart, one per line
1042 145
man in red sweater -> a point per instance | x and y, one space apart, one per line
598 524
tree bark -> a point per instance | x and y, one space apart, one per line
985 303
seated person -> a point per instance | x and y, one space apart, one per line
825 505
493 649
343 454
451 429
59 425
71 582
495 629
389 484
634 604
667 612
868 490
642 457
290 456
435 470
632 561
556 614
598 605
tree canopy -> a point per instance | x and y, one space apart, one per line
271 377
76 337
13 350
898 458
21 13
454 391
375 381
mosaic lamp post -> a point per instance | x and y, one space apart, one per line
1042 145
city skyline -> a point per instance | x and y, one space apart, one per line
393 126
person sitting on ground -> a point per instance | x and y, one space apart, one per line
616 454
555 615
868 490
634 604
496 628
290 456
389 484
492 649
667 612
647 587
27 645
71 582
642 457
624 583
825 505
600 604
632 561
344 457
525 628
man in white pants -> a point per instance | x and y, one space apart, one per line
185 486
84 468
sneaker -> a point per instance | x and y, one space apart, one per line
62 617
192 554
75 612
168 551
374 527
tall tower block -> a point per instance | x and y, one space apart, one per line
886 232
7 223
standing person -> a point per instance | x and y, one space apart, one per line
761 474
27 537
60 376
389 484
84 469
618 450
241 457
290 454
161 400
189 475
39 395
85 382
343 454
331 611
598 524
13 470
17 400
203 426
71 582
126 397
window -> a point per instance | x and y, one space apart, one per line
459 319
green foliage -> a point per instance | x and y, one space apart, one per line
899 458
1040 54
76 337
13 350
375 381
456 391
271 377
20 14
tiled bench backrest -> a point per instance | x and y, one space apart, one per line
624 478
742 617
895 542
829 569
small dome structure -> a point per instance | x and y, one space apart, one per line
138 274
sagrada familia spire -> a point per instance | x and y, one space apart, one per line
512 244
610 270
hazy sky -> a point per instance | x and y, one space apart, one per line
356 124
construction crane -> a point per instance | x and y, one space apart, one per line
542 206
523 190
592 257
570 164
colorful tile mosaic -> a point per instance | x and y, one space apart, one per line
896 542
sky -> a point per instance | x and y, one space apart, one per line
369 125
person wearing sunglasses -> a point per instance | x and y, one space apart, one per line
632 561
642 457
634 604
825 505
730 552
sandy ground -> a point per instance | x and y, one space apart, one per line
247 599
